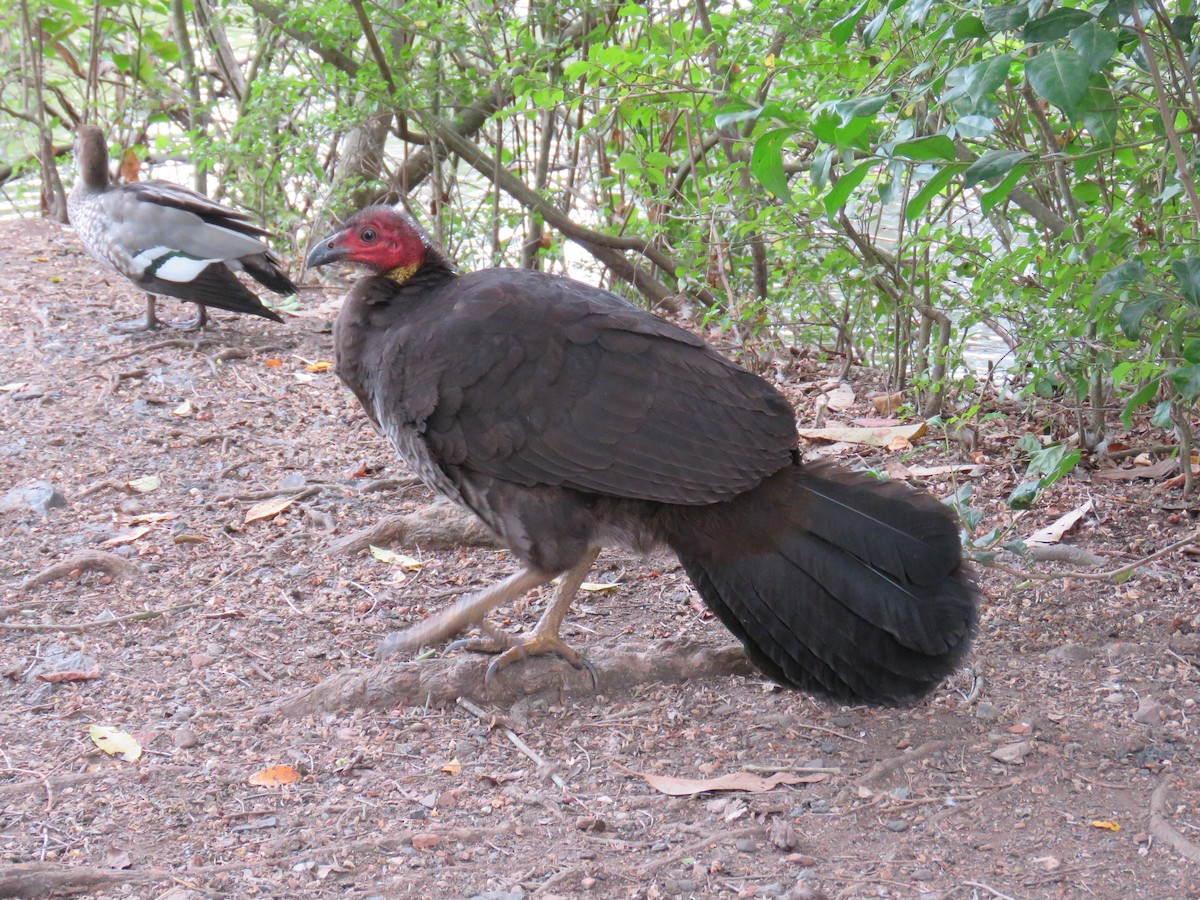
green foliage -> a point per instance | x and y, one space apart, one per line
847 176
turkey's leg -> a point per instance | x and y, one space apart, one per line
466 612
544 638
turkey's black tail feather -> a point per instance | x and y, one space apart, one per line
835 582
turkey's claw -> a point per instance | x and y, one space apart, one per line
538 644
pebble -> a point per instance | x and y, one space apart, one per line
897 825
1149 712
745 845
40 496
1072 653
986 711
186 739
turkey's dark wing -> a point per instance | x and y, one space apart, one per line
546 381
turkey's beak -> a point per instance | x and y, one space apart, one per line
326 252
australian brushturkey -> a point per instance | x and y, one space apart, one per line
568 419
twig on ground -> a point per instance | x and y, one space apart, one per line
833 731
1164 830
702 844
144 615
515 738
41 776
437 527
799 770
886 767
989 889
180 343
556 879
116 566
1111 575
296 494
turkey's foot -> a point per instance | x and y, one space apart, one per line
515 648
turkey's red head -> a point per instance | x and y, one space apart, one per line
379 237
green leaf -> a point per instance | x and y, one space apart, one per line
1120 277
1059 76
1005 18
1187 272
1095 44
859 107
1187 381
1099 112
993 164
930 189
843 28
1162 415
1001 191
766 162
720 120
845 186
968 28
931 147
1056 24
1025 495
986 77
1141 397
975 127
1132 313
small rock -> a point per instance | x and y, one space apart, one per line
897 825
426 841
745 845
1013 754
1149 712
686 885
201 660
292 481
40 496
1073 653
587 883
986 711
923 875
186 739
591 823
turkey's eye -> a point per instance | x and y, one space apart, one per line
368 235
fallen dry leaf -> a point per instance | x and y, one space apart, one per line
274 776
840 398
453 767
1159 469
70 675
595 587
273 363
268 509
735 781
1053 532
145 484
392 558
320 365
875 437
126 537
183 410
886 404
1106 825
115 742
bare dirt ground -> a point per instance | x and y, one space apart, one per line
1061 763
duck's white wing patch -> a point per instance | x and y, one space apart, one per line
170 265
